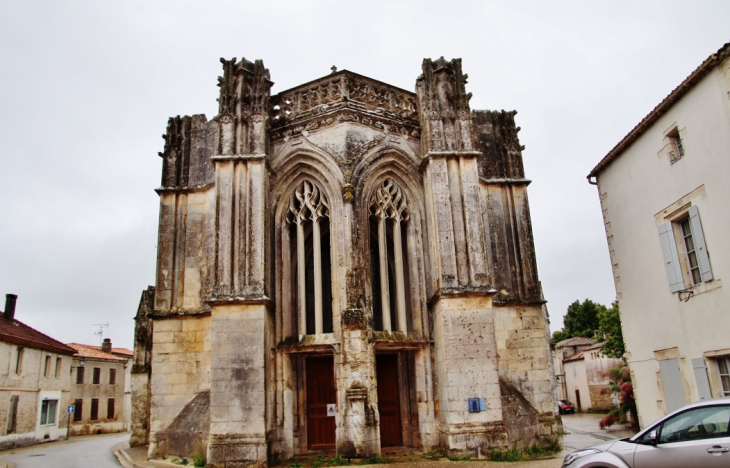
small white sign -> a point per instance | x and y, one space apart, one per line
331 409
70 409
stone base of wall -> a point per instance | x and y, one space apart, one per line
599 402
97 428
12 441
236 451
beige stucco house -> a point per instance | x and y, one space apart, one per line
100 389
664 191
34 383
580 371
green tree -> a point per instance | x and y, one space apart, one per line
610 327
580 320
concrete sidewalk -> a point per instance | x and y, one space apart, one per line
581 430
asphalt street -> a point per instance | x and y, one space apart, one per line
93 451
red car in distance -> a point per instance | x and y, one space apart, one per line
565 407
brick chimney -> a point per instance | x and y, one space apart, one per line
9 313
106 346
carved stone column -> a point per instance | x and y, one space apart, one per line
461 296
240 309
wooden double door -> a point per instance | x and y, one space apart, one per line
321 394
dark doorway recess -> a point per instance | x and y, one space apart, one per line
391 432
320 393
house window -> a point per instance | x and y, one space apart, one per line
307 238
112 376
673 144
110 408
97 376
80 375
19 361
389 216
94 409
678 147
59 363
48 412
723 365
78 408
692 265
686 259
47 367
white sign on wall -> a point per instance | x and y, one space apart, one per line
331 409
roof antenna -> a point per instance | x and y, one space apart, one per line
101 331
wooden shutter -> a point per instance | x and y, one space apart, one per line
672 382
703 382
671 259
698 237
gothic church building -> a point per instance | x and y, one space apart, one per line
344 265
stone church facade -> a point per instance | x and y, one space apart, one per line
344 265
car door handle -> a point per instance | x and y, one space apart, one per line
717 449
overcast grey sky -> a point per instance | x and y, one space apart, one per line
87 87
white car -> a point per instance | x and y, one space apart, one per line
695 435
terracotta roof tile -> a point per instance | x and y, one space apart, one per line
576 341
15 331
94 352
574 357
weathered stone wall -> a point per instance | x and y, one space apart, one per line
238 385
465 361
523 354
599 401
180 371
141 370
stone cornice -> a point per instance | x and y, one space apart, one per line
190 189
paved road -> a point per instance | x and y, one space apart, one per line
582 430
79 452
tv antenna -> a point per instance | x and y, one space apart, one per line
100 332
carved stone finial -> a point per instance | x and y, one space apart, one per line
334 69
348 192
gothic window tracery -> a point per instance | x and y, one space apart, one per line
389 218
311 291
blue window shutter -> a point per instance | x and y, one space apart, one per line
671 259
699 239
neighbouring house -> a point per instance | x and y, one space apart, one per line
664 193
580 370
100 388
343 265
34 383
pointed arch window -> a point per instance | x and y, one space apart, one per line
389 218
311 279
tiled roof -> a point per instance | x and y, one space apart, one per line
123 351
94 352
700 72
574 357
16 332
595 346
577 341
